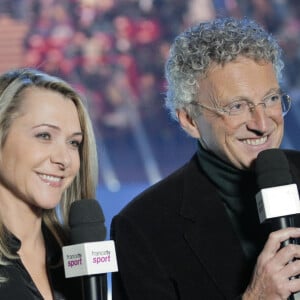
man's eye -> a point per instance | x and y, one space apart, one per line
273 98
237 106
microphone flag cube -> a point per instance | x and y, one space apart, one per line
89 258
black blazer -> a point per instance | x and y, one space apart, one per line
175 241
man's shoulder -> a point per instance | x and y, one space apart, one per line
292 155
161 193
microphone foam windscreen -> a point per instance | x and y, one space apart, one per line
86 221
272 169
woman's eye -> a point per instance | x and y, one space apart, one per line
75 144
43 135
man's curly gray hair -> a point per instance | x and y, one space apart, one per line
219 41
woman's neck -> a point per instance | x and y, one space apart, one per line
21 219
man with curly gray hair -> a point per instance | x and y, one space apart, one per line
196 234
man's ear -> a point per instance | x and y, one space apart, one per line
188 124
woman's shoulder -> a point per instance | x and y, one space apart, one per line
16 282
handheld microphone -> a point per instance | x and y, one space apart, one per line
89 255
278 198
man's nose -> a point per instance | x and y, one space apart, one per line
257 118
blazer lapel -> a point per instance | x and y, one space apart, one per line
209 232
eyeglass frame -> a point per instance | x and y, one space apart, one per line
251 106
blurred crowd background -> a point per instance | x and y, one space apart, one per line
114 51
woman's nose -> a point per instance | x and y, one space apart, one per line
61 156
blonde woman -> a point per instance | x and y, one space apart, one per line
48 160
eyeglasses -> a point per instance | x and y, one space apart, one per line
238 108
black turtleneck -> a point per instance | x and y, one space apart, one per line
237 189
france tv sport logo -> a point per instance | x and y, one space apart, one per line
90 258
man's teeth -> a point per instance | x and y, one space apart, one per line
255 142
50 178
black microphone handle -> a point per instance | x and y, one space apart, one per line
280 223
94 287
283 222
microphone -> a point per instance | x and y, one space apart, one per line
278 198
89 255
